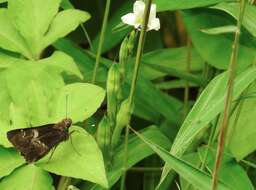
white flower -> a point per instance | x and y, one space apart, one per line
136 18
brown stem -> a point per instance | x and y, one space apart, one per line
228 99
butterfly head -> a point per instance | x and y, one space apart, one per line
66 123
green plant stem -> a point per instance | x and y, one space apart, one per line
125 157
87 36
101 41
228 99
186 90
64 183
139 53
134 80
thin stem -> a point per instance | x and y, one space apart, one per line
186 90
125 157
135 78
87 36
101 41
139 52
228 99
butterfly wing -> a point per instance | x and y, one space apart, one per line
34 143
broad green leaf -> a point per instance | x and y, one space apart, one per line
32 19
220 30
196 20
196 177
137 151
11 160
71 17
82 99
28 177
172 58
242 131
6 60
233 10
61 62
83 60
10 39
207 107
82 159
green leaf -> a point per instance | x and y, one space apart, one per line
32 19
195 20
71 17
242 131
10 39
207 107
61 62
82 159
220 30
172 58
83 100
167 106
28 177
65 4
6 60
11 160
233 10
137 151
231 172
195 176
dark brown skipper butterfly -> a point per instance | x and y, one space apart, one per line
34 143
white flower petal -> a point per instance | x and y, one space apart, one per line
136 18
152 11
154 24
138 8
129 19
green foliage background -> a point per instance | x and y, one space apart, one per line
46 56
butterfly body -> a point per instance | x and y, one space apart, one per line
34 143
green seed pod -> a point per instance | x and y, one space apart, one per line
130 44
122 119
123 56
113 86
103 134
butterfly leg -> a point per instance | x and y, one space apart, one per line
72 142
53 150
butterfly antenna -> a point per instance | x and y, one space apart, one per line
66 106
